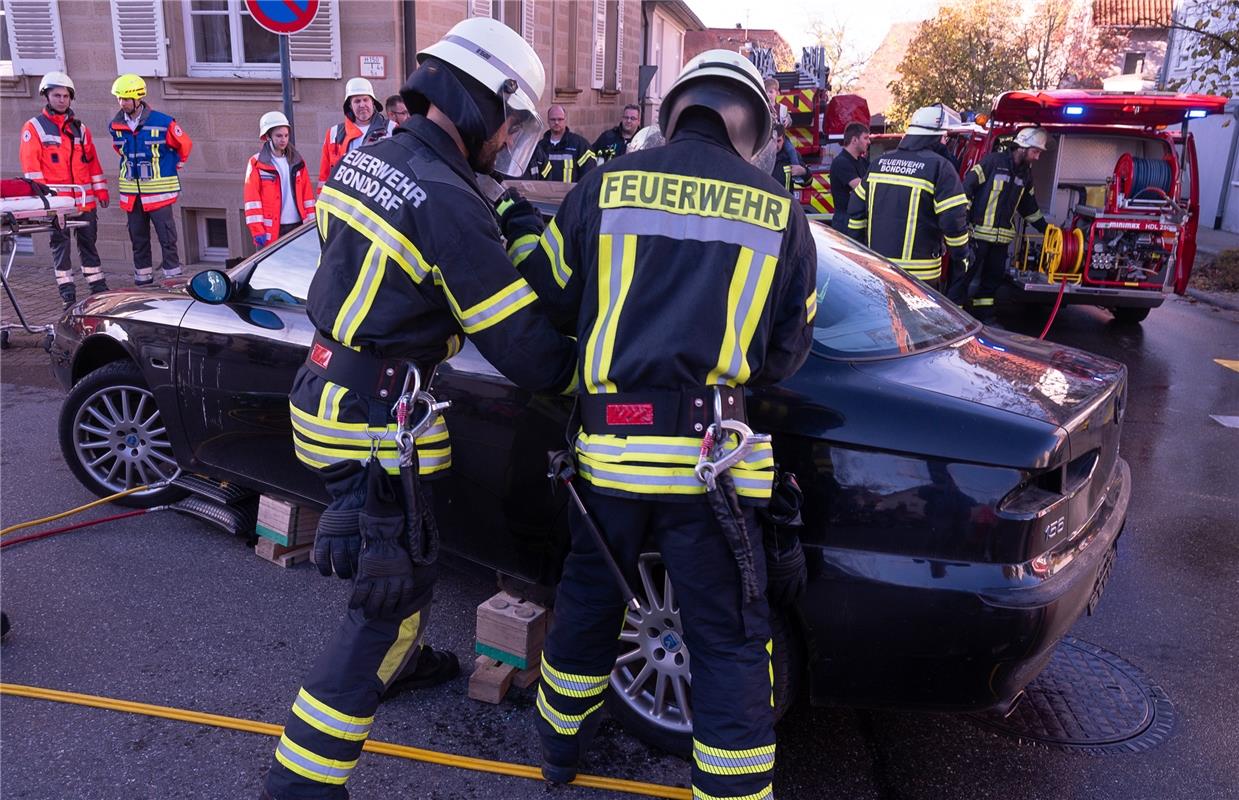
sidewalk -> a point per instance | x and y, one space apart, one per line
1209 243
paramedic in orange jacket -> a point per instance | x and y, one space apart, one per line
57 148
363 124
278 196
152 147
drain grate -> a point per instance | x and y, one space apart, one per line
1088 700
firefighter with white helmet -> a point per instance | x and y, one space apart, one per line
912 201
694 236
363 124
413 259
152 147
57 148
998 187
278 196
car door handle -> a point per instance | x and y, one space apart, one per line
157 357
158 363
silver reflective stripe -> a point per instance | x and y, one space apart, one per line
599 337
521 251
495 62
427 462
311 766
479 320
689 227
350 316
763 760
743 308
325 199
641 480
550 240
765 794
328 720
690 452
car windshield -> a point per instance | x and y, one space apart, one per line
869 308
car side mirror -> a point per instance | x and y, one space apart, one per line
211 286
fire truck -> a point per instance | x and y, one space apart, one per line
1119 187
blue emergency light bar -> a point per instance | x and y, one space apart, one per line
1073 111
1196 113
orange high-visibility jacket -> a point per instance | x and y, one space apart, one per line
338 138
264 195
57 148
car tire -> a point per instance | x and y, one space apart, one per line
634 705
1130 316
112 437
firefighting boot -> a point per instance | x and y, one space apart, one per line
98 286
432 668
68 294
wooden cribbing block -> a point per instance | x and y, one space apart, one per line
281 555
490 680
286 523
504 657
512 626
527 677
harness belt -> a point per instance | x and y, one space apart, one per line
684 413
363 373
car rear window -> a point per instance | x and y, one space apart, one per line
869 308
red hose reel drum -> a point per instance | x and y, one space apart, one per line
1146 178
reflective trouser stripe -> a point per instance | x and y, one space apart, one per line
323 717
570 685
989 233
322 440
765 794
566 724
721 761
308 765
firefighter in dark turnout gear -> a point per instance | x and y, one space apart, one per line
912 201
412 261
682 269
998 187
562 156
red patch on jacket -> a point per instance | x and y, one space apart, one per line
320 355
630 414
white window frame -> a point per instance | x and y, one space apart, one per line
238 68
206 253
608 43
52 50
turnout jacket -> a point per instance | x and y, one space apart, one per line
58 148
411 261
151 157
911 201
566 162
611 144
264 197
677 268
997 190
338 138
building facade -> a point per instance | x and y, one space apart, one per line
209 65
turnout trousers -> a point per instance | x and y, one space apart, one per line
990 259
732 699
140 221
331 716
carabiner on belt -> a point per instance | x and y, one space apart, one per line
411 396
713 459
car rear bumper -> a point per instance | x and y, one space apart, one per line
898 631
1091 295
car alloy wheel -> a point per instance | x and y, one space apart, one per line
652 675
120 440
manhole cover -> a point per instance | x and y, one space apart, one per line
1088 699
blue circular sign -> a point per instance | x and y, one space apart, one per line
283 16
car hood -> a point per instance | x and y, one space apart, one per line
1008 372
133 302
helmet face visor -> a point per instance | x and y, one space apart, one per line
523 130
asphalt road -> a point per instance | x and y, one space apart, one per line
164 609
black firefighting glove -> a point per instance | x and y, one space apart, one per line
786 571
962 259
385 583
517 216
337 542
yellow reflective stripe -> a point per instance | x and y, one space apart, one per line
979 171
992 234
494 309
764 794
310 765
329 420
674 450
546 169
861 192
320 716
642 479
720 761
552 243
929 269
586 156
810 307
951 202
991 204
570 685
857 224
1036 215
156 169
957 241
746 297
901 180
614 281
398 654
360 298
693 196
328 402
520 249
770 667
982 301
394 243
339 716
565 724
909 231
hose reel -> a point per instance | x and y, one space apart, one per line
1062 254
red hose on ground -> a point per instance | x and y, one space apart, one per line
1057 302
73 527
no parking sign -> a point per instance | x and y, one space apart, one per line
283 16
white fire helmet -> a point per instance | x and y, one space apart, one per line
272 119
1032 137
931 120
362 86
53 79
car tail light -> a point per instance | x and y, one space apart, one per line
1042 490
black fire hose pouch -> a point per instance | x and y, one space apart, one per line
787 573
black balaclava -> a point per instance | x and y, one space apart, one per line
475 110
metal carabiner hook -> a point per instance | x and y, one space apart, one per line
707 471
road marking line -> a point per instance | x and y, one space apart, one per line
1230 422
1228 363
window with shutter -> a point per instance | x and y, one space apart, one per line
315 51
618 44
34 39
480 8
138 37
529 18
599 71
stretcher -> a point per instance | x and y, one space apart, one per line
28 208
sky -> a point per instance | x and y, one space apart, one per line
867 20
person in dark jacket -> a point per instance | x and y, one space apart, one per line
614 143
686 274
912 201
788 170
998 187
562 156
412 261
847 170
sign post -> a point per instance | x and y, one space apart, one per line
284 18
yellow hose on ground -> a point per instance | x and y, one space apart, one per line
383 748
72 511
